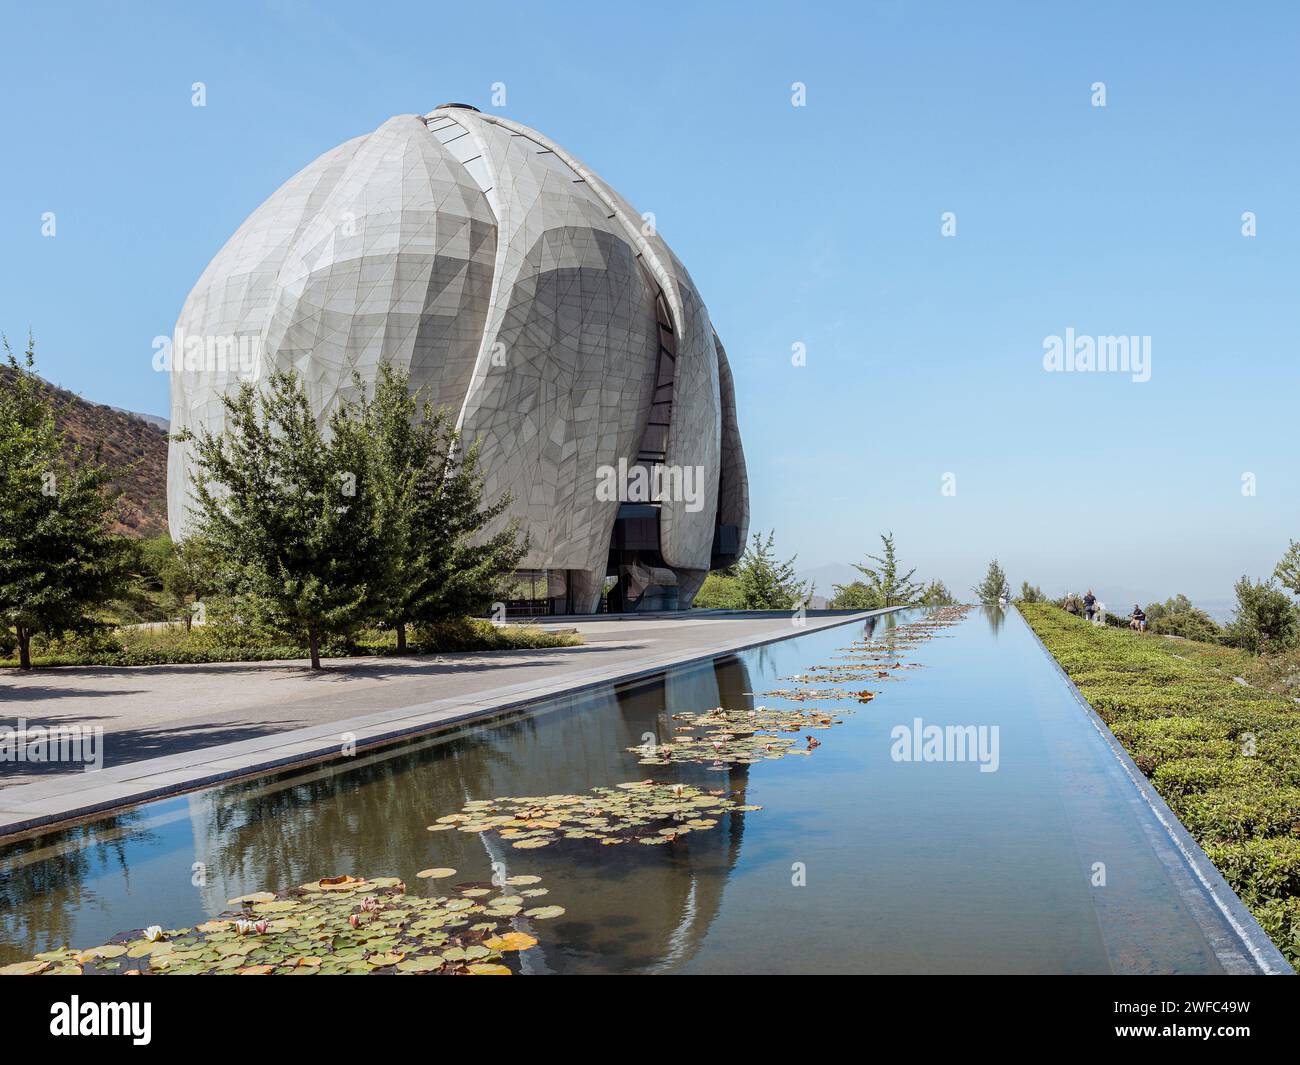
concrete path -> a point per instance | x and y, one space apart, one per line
172 728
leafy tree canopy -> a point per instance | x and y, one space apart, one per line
995 585
58 560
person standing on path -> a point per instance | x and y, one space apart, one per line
1089 605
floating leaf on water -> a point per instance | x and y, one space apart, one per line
440 873
510 941
340 925
426 964
544 913
256 896
391 957
25 968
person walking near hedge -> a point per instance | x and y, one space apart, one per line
1089 605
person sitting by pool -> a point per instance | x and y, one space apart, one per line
1137 619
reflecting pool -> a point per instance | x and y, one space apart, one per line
857 861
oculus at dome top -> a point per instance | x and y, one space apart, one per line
521 292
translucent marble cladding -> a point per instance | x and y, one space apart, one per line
519 289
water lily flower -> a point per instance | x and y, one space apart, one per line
261 927
153 933
354 920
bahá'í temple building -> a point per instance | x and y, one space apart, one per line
524 294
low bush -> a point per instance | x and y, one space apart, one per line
1185 775
1260 869
476 634
1255 811
226 643
1280 918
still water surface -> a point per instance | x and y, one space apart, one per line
910 867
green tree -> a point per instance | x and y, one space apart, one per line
435 561
884 583
767 583
1178 617
1288 570
188 576
856 595
1031 593
1266 619
58 560
994 586
937 594
721 591
286 510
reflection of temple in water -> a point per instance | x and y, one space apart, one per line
629 907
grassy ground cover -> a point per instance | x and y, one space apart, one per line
224 643
1225 756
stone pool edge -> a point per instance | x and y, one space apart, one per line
1256 942
50 806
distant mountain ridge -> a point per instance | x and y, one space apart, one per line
135 443
156 420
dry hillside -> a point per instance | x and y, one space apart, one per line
124 441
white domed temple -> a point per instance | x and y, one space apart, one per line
524 294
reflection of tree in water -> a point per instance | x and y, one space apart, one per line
630 906
995 616
883 628
43 879
367 819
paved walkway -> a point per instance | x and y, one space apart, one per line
169 728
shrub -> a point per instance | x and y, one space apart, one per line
476 634
204 644
1186 775
1280 918
1266 618
1259 869
1237 813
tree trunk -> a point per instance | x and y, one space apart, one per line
24 648
313 640
189 618
401 635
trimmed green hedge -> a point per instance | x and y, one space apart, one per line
1224 756
177 647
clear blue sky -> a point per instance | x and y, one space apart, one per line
818 225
